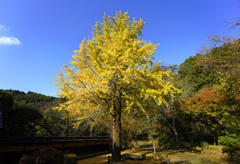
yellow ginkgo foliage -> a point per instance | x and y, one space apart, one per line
114 72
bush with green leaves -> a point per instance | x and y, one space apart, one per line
164 140
231 143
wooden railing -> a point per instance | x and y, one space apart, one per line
13 144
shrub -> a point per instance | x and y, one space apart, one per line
164 141
44 156
204 145
70 159
231 144
70 156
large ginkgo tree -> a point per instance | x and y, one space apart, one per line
114 72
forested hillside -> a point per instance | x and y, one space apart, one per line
35 99
209 107
29 114
32 114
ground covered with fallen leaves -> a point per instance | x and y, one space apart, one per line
212 155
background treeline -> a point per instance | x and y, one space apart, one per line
32 98
32 114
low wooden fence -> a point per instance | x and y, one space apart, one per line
13 144
13 148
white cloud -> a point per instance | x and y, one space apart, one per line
9 41
2 30
2 27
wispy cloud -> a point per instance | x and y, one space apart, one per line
7 40
1 27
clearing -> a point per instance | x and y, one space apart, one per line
212 155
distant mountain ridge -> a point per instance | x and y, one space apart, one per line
35 99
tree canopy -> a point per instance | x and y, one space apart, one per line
112 72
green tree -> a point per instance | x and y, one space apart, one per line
31 114
6 103
51 124
192 76
23 121
112 71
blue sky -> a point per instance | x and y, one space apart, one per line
38 36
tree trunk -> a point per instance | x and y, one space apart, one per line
91 131
116 122
116 145
215 138
154 148
66 127
174 129
176 134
